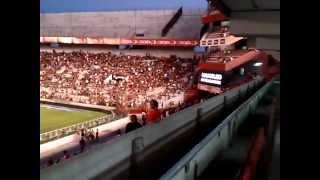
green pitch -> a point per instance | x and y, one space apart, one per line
56 118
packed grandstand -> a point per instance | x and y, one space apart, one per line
124 81
106 71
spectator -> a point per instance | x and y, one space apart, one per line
171 111
167 113
133 124
97 135
82 133
82 144
153 114
50 162
144 119
91 135
58 160
66 155
85 78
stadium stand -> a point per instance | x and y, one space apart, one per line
101 78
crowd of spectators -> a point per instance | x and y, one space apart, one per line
123 81
116 80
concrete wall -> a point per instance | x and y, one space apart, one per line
63 6
255 23
245 5
117 23
261 27
188 26
269 45
239 5
268 4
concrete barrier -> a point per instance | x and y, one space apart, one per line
114 24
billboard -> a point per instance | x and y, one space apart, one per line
65 40
159 42
111 41
119 41
211 78
95 40
50 39
78 40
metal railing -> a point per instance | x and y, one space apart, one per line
196 161
65 131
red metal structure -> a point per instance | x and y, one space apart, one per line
228 62
224 70
213 16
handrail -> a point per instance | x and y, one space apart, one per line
170 174
57 133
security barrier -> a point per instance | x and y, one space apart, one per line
196 161
58 133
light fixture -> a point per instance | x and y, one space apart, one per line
257 64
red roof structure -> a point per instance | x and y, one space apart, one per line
214 16
227 60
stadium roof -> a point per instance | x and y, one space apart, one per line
63 6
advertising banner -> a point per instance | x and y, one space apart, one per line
78 40
65 40
50 39
119 41
159 42
95 41
111 41
211 78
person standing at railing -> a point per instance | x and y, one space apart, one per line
133 124
153 114
82 144
144 119
97 135
91 135
50 162
66 155
82 133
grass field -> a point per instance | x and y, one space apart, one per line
56 118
